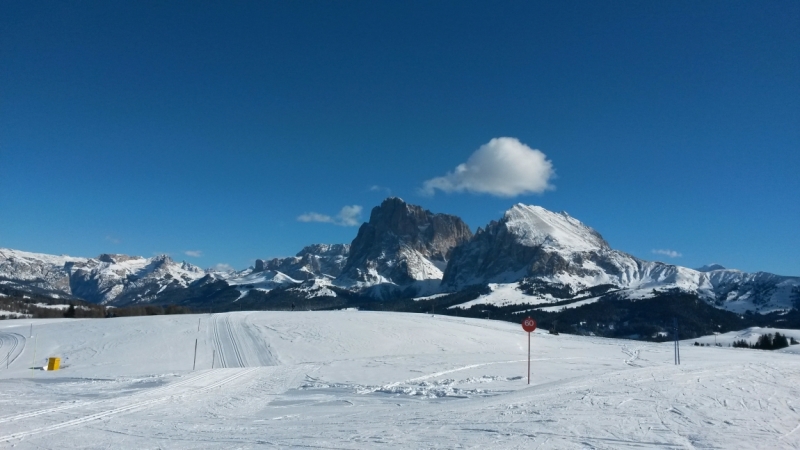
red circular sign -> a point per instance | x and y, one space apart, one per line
528 324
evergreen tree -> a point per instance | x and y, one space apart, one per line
741 344
764 342
780 341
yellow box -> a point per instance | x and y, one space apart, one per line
53 363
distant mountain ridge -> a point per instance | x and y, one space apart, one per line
107 279
530 256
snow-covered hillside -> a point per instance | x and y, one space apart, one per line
350 379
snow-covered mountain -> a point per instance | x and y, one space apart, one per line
551 257
402 247
107 279
313 261
530 256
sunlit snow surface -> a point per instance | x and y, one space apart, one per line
535 226
350 379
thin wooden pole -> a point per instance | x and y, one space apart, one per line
529 357
194 364
33 364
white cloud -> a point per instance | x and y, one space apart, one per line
194 253
315 217
348 216
504 167
223 267
378 188
667 253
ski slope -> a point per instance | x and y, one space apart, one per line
351 379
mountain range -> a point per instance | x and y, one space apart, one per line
530 257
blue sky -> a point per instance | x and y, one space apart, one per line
175 127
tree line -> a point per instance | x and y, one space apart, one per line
767 342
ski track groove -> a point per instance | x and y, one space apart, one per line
218 342
236 345
14 340
227 336
236 349
126 408
168 387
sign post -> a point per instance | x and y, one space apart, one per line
529 325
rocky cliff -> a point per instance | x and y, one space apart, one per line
402 245
313 261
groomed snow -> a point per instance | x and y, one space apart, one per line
505 294
353 379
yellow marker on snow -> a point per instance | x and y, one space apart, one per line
53 363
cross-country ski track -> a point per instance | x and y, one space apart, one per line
236 343
11 347
350 379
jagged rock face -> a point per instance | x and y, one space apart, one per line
115 258
317 260
402 244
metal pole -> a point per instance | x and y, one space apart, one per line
529 358
8 359
213 357
194 364
198 324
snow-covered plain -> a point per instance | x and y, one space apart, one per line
351 379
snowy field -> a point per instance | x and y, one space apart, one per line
351 379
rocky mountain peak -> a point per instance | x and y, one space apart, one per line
325 250
115 258
403 243
529 241
163 258
710 268
316 260
535 226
